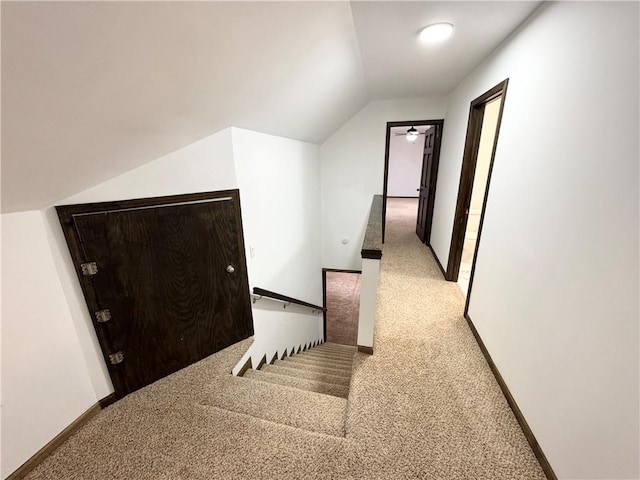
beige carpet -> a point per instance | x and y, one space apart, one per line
424 406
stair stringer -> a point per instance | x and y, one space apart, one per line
278 332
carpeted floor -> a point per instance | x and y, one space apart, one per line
424 406
343 307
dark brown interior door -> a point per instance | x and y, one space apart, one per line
171 277
425 185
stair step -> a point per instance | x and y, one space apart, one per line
328 356
337 351
297 382
314 368
308 374
345 350
337 356
305 362
297 408
321 361
337 346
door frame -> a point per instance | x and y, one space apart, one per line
467 175
439 124
66 215
324 295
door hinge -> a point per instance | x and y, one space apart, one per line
103 315
90 268
116 358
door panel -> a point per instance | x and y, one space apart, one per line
162 273
425 184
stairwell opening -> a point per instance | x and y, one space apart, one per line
341 299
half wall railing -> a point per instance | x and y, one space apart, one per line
371 255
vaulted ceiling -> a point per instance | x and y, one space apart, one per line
93 89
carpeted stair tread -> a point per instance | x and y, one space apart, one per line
320 362
324 362
301 383
308 374
328 356
317 351
314 368
337 347
337 353
297 408
334 344
344 349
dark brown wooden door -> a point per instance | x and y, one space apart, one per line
424 195
172 275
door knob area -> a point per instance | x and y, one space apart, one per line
230 269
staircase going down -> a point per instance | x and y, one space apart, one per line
307 390
324 369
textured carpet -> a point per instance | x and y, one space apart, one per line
343 307
329 359
424 406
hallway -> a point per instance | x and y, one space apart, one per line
425 405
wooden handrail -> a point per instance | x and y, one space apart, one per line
261 292
372 243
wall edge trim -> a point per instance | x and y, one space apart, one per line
365 349
528 433
442 270
42 454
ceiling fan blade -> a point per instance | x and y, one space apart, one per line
412 131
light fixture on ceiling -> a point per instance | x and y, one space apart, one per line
412 134
436 32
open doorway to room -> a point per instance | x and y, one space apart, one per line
341 301
480 181
411 168
482 137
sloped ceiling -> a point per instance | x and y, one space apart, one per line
93 89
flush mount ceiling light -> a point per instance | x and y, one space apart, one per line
436 32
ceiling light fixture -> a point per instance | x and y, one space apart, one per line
412 134
436 32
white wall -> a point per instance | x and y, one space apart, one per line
555 292
206 165
405 164
352 171
52 364
45 381
279 182
368 302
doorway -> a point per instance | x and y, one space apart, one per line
485 116
411 168
341 301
